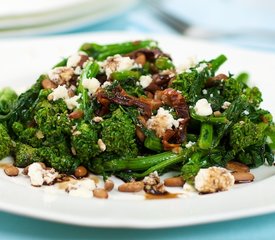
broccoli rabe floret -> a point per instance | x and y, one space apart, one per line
25 155
5 142
118 134
52 120
59 158
85 141
246 133
7 99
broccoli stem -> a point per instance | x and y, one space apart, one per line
153 143
209 119
177 158
124 75
101 52
217 62
137 164
206 136
88 72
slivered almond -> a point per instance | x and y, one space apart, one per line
242 177
237 167
131 187
48 84
174 182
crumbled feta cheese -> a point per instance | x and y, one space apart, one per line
203 107
211 95
61 75
204 91
226 105
201 67
97 119
145 81
60 92
117 63
81 188
73 60
106 84
189 63
38 175
101 145
190 144
162 121
213 179
91 84
72 102
78 70
245 112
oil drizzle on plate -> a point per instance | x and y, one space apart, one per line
167 195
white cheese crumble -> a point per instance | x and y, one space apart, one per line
106 84
60 75
97 119
38 175
81 188
189 63
91 84
162 121
116 63
73 60
145 80
201 67
190 144
204 91
226 105
203 107
72 102
213 179
61 92
245 112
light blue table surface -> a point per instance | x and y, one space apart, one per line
140 19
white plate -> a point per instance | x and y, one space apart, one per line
22 61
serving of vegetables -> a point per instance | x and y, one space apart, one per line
125 110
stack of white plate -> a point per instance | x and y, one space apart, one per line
29 17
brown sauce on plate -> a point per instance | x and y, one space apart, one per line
167 195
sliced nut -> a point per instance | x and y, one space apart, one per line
48 84
217 113
141 59
80 171
237 167
174 182
131 187
100 193
140 134
76 114
11 171
243 177
108 185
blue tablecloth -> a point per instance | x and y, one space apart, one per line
141 19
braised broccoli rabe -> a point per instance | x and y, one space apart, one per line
125 109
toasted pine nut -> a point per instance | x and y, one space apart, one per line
48 84
131 187
217 113
100 193
140 134
76 114
108 185
80 171
237 167
141 59
174 182
243 177
11 171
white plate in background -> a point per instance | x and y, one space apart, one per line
22 61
